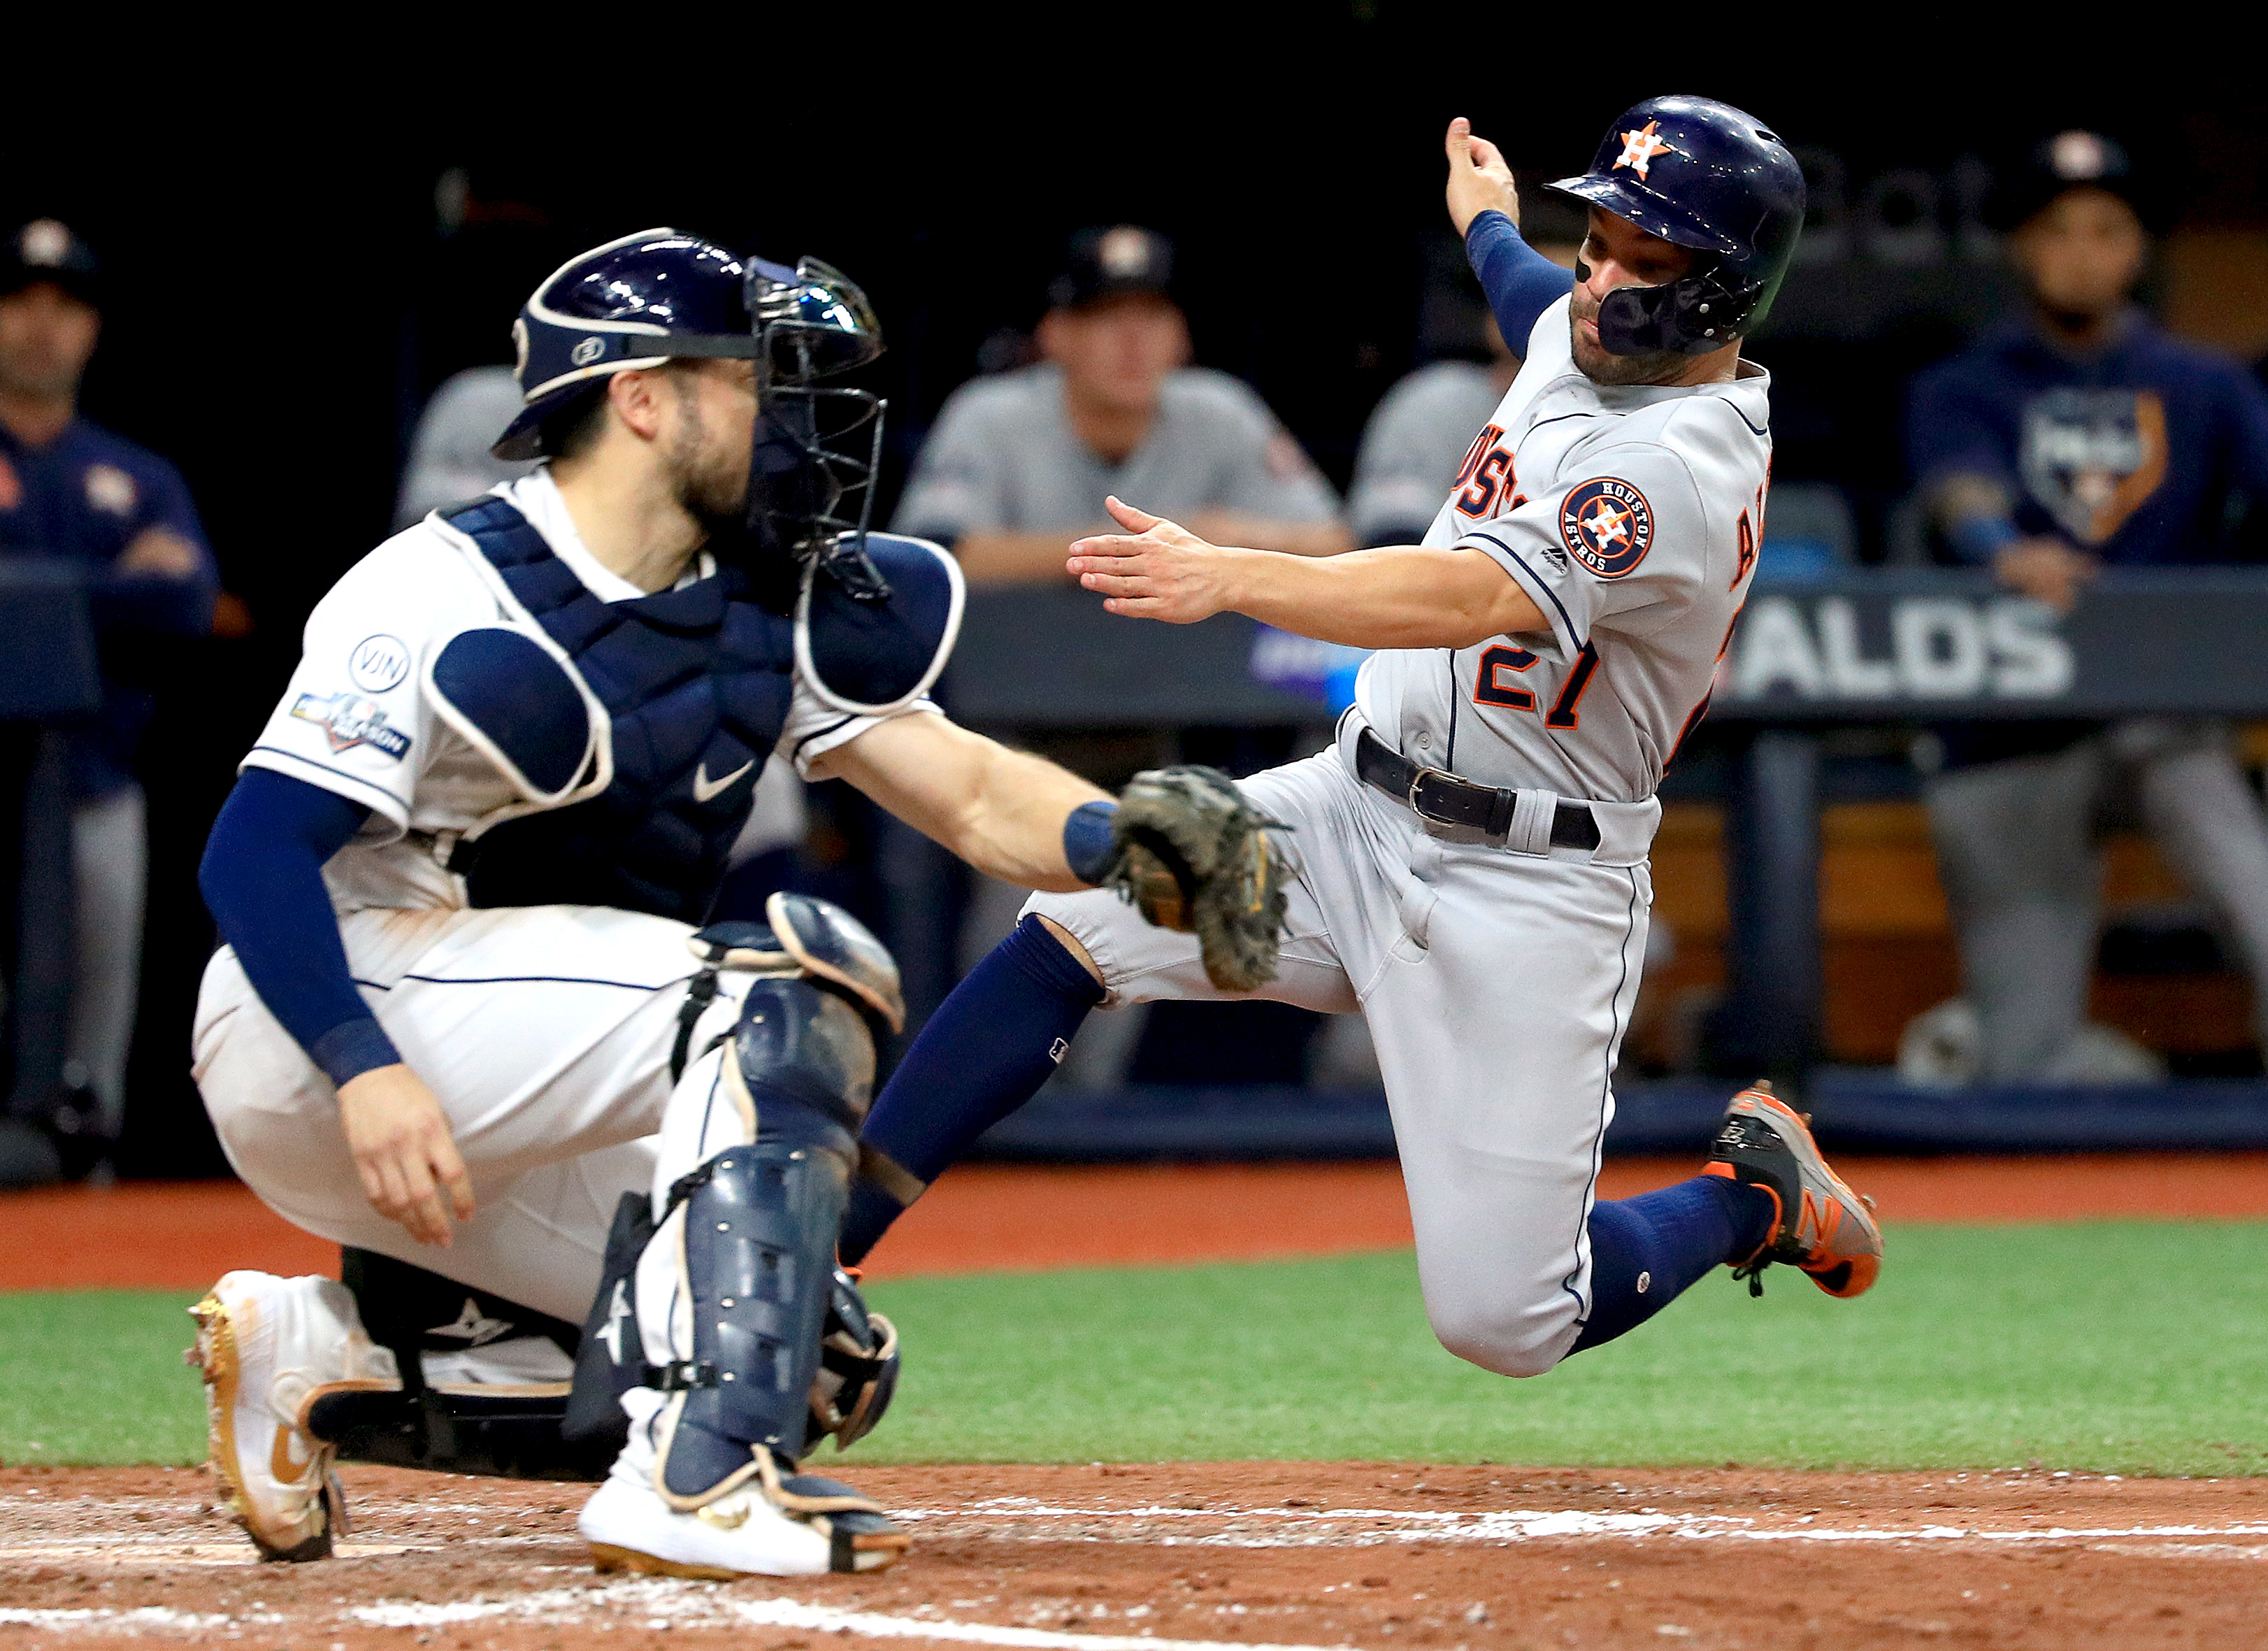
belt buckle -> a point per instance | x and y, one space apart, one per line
1411 797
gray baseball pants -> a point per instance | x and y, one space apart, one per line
2017 845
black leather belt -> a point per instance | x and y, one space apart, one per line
1441 797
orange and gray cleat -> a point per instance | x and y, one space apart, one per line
1821 1226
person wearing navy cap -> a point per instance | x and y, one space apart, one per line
2076 436
73 491
1019 463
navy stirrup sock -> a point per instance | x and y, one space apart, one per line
986 1051
1647 1251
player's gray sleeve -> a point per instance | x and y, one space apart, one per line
1265 470
1410 450
449 459
1625 547
959 484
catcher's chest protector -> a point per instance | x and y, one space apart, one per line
696 683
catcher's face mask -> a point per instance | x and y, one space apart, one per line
818 447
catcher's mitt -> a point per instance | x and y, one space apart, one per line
1193 855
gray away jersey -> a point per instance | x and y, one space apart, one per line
1004 458
1632 515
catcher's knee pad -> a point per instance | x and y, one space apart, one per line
804 1060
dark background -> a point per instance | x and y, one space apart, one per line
287 288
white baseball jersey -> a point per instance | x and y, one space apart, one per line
546 1031
1632 515
357 720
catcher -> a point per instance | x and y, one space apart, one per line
588 1158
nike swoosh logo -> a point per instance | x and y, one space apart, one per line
704 788
284 1461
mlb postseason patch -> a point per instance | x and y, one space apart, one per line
1607 526
350 721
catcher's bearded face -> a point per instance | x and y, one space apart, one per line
1618 254
707 452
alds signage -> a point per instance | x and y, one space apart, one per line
1924 649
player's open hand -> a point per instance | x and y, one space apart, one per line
404 1152
162 551
2046 569
1157 570
1479 179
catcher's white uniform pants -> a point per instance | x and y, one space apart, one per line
545 1031
1497 987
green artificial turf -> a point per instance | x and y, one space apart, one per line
2127 1347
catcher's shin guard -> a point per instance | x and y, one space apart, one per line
751 1344
754 1238
857 1359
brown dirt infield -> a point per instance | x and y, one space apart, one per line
986 1217
1191 1557
1180 1556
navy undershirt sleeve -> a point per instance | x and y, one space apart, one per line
262 877
1521 282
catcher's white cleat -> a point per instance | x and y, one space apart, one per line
267 1346
770 1524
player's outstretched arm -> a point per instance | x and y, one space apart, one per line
1182 845
1398 596
1002 811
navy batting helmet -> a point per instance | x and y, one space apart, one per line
659 295
1704 175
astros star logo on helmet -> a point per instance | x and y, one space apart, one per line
1641 145
1607 526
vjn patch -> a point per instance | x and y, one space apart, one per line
351 720
1607 526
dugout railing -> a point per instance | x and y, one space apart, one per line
1880 648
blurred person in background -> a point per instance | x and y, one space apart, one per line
2075 437
449 456
1018 464
71 490
1424 425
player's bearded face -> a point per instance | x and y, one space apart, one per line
708 452
1603 367
1617 254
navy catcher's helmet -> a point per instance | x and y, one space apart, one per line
1704 175
660 294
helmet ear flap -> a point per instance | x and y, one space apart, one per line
1633 321
1688 317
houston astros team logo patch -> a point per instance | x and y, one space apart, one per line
1607 526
